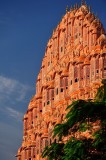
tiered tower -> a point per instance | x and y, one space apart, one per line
72 68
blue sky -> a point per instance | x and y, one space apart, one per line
25 28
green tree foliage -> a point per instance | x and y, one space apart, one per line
54 151
80 117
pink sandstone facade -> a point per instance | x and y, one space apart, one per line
72 68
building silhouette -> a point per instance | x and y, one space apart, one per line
73 66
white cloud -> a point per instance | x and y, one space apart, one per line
14 113
13 97
10 88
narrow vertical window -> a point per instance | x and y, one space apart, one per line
40 107
48 98
47 95
97 65
61 82
56 91
61 49
52 94
66 82
29 153
76 74
87 72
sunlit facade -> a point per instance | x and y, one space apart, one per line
73 66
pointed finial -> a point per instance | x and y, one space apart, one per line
82 2
66 9
76 6
89 8
85 4
71 8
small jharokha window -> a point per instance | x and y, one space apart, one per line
48 102
47 95
76 74
76 80
66 82
48 63
34 156
33 152
29 153
56 91
37 151
61 49
97 64
61 82
97 71
52 94
61 90
40 107
88 72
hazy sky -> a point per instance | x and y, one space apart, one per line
25 28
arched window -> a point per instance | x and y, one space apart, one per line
92 67
56 91
76 74
48 97
97 65
66 82
29 153
61 83
37 146
40 106
52 94
87 72
34 151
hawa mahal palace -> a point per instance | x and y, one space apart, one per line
73 66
